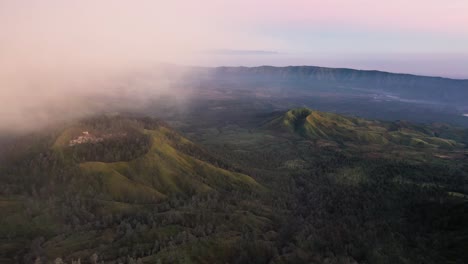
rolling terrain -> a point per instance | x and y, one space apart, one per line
300 186
328 126
99 172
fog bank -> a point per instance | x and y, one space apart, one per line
67 58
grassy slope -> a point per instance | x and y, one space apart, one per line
119 187
133 186
328 126
162 171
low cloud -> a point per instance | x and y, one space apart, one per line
60 59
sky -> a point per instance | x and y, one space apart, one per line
419 36
54 54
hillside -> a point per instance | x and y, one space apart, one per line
356 190
103 168
300 186
343 129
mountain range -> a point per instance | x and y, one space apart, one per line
406 86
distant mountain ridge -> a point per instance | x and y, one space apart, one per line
408 86
305 69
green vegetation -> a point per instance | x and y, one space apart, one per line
69 196
301 187
328 126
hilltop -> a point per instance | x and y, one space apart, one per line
299 186
103 170
352 130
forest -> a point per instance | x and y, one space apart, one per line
148 194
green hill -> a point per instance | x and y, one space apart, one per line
165 169
102 169
328 126
136 160
307 187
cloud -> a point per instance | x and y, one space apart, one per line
57 54
242 52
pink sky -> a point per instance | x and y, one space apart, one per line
62 34
406 15
59 50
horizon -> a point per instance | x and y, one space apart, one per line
417 37
336 68
54 54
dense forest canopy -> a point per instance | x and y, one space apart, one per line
299 187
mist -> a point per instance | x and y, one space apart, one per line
62 59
